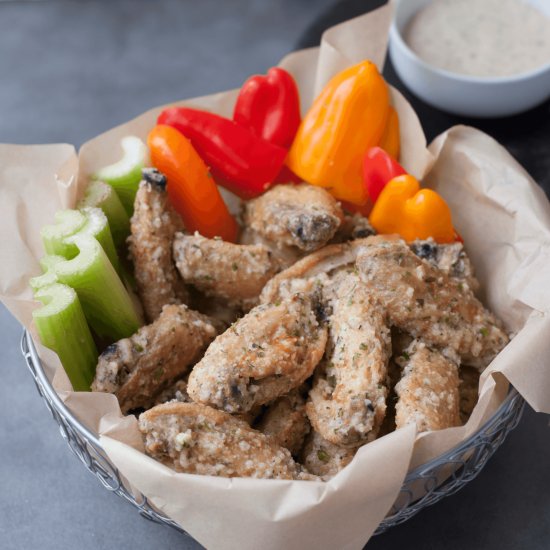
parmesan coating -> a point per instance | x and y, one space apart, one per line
196 439
304 216
450 258
265 354
322 458
428 304
348 399
235 273
286 422
314 269
153 227
428 390
138 368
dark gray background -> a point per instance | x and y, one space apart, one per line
70 70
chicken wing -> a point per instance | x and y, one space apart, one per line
234 272
322 458
450 258
286 422
314 270
303 215
196 439
428 304
138 368
428 390
265 354
348 399
153 226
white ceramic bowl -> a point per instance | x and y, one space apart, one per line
463 94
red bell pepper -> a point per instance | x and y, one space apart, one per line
269 106
286 175
244 163
379 168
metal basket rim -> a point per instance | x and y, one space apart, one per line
94 439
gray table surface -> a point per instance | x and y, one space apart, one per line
71 70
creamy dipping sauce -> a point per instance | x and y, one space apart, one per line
480 37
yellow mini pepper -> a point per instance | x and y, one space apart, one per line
405 209
348 117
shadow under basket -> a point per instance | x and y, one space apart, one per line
423 486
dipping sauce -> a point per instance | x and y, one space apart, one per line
488 38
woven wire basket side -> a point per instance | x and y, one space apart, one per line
422 487
83 443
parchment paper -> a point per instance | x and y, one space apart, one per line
504 219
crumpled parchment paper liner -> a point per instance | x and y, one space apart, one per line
502 215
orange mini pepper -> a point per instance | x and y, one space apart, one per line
192 190
411 212
348 117
391 140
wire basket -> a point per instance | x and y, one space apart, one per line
423 486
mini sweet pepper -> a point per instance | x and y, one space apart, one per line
191 188
241 161
269 106
378 169
348 117
411 212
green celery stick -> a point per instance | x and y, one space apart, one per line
101 195
97 226
57 238
62 327
105 300
48 277
49 260
125 174
67 223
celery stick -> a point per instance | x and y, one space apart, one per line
67 222
48 277
105 300
125 174
49 260
57 238
62 327
97 226
101 195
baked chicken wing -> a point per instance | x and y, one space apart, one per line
196 439
450 258
425 302
138 368
153 227
285 421
265 354
348 399
233 272
428 390
304 216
